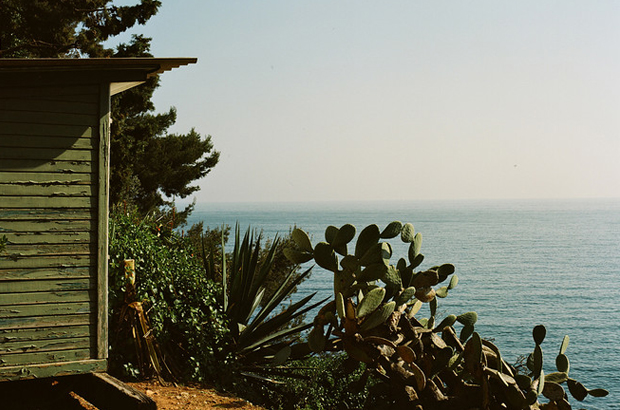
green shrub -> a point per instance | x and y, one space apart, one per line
321 381
181 303
202 330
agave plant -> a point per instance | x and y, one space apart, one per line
263 332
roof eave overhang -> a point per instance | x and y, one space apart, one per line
121 73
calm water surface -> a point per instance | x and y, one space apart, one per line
520 263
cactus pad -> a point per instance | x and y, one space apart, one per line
371 301
562 363
372 272
539 334
345 234
325 257
407 233
392 230
378 316
405 296
454 280
468 318
367 238
564 344
340 305
577 390
301 239
330 233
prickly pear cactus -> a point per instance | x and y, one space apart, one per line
536 382
417 363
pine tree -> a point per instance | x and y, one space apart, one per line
145 160
62 28
147 163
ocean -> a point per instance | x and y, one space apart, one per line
520 263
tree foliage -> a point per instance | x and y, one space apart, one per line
148 164
61 28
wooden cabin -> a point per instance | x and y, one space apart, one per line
54 167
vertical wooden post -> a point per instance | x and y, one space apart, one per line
129 266
103 209
130 271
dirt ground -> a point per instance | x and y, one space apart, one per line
50 394
190 397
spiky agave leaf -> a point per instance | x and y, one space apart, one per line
259 331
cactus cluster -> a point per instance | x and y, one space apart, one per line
536 382
415 363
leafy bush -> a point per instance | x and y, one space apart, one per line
208 319
320 382
182 304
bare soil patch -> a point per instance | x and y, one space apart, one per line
191 397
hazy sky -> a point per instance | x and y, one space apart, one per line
397 100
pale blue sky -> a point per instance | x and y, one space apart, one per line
397 100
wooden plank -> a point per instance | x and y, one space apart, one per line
52 285
44 214
44 333
42 190
37 165
11 299
44 262
102 229
46 309
74 225
107 393
45 202
34 238
57 154
44 321
81 272
68 98
54 92
45 345
32 104
50 250
44 357
45 117
14 373
40 178
74 131
12 141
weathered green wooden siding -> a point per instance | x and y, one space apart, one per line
52 206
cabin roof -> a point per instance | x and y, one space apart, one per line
122 73
148 65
